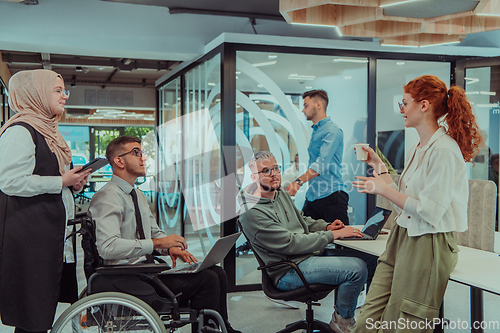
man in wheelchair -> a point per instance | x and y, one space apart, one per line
127 233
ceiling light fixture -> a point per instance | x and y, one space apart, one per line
358 61
470 80
490 105
396 3
301 77
399 63
272 56
490 93
440 44
487 14
261 64
399 45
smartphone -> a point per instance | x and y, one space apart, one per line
95 164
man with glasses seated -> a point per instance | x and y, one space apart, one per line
127 232
278 231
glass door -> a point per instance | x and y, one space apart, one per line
482 87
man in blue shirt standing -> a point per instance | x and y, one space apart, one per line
326 197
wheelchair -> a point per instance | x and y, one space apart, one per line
126 298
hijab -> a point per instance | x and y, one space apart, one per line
30 96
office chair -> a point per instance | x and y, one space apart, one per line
309 294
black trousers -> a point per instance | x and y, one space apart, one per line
329 208
205 290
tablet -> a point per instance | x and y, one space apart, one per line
95 164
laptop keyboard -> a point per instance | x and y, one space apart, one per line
190 268
365 236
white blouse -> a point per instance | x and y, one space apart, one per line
435 181
16 167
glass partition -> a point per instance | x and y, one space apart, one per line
189 157
269 117
201 172
168 157
483 91
196 113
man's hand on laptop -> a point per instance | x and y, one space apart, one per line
169 242
335 225
176 252
347 232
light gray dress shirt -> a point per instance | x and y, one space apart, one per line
112 209
17 162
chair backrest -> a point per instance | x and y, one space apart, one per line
385 203
481 210
91 260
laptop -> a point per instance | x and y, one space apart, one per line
374 224
215 256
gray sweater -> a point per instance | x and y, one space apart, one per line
279 231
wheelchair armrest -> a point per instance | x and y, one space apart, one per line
292 265
133 269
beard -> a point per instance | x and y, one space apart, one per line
270 188
138 172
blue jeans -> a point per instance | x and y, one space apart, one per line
347 272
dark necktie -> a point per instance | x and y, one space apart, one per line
138 221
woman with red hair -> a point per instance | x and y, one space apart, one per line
431 201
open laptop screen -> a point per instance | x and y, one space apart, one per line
376 222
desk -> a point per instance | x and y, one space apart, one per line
475 268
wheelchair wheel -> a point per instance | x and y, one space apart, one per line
109 312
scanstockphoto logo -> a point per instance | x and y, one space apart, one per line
457 325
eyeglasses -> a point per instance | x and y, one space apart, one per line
267 171
62 92
137 152
401 105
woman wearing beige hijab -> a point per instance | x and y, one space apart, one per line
37 265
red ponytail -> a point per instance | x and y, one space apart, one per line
453 105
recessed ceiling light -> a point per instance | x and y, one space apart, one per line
470 80
260 85
272 56
360 61
400 63
347 77
211 83
440 44
301 77
238 72
309 87
260 64
396 3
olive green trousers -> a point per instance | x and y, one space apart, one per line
409 283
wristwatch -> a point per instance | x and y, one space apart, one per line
299 181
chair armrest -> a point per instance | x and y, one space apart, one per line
292 265
133 269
